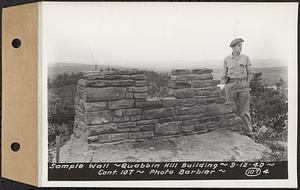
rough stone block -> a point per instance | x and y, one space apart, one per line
164 120
208 88
150 127
189 122
220 100
119 104
189 102
232 115
133 111
158 113
187 129
138 89
140 95
147 122
202 71
119 113
79 88
99 117
92 75
78 124
77 133
121 119
189 110
123 83
170 128
171 101
102 94
92 139
122 130
141 135
112 137
148 103
114 77
101 129
207 93
187 117
80 94
79 107
79 114
221 123
127 125
138 77
216 118
94 83
182 93
210 101
110 72
179 84
135 118
201 128
181 72
212 125
215 82
94 106
204 119
129 95
191 77
208 96
140 83
182 111
206 101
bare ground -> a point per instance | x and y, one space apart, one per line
220 145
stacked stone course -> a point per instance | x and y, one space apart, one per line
114 106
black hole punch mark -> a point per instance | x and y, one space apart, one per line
15 146
16 43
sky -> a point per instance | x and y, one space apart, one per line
139 34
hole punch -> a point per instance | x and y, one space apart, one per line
16 43
15 146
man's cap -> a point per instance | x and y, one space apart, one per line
236 41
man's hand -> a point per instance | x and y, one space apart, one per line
226 79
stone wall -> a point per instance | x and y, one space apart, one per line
113 106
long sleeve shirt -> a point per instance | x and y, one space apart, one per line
237 67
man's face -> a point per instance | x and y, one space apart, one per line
237 48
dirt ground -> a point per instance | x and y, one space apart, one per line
220 145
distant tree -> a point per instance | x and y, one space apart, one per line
61 106
282 86
268 106
256 85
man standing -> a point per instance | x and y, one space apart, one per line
237 74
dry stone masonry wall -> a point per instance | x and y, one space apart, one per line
114 106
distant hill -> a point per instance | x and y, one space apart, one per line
272 70
58 69
270 75
70 68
